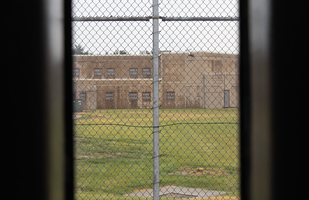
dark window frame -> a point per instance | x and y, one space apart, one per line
217 66
96 73
74 73
83 96
130 95
143 96
167 95
133 75
112 96
146 73
110 75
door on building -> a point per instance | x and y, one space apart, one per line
110 100
193 97
133 100
226 98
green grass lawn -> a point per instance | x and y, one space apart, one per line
113 150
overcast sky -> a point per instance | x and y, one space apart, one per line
102 37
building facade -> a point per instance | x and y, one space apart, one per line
186 80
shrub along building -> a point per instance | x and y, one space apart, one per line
186 80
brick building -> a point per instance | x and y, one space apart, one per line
125 81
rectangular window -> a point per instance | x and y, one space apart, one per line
146 72
111 72
133 72
170 95
236 66
82 96
146 96
98 72
216 66
109 96
133 96
75 72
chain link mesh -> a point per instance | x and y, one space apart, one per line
113 78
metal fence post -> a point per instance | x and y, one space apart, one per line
96 98
204 85
155 100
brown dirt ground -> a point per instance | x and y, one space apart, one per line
213 172
220 198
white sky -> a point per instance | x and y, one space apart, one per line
101 37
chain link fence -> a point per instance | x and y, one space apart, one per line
156 99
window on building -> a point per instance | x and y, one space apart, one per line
111 72
109 96
170 95
133 72
146 96
133 96
82 96
146 72
216 66
98 72
236 66
75 72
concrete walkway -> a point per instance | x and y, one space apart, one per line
178 192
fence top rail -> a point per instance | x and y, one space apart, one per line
147 18
111 18
200 18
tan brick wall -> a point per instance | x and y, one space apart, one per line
121 64
185 72
180 74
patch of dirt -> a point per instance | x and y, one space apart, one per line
220 198
78 138
175 195
102 155
95 155
189 196
213 172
